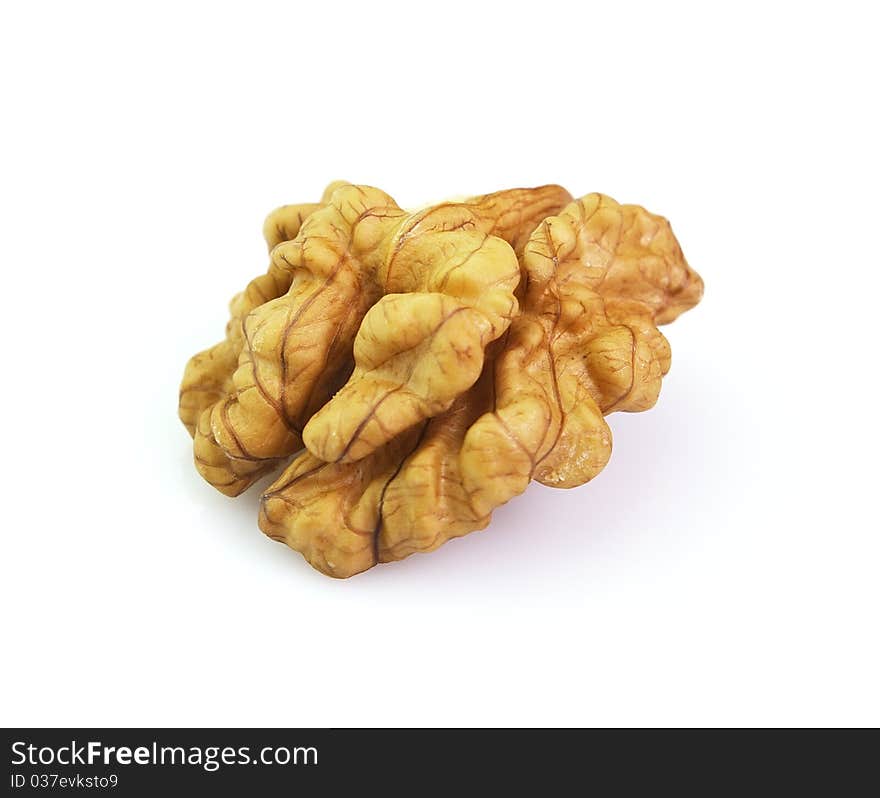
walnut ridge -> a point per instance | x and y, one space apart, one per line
428 365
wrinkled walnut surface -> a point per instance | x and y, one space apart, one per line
208 378
596 280
393 310
432 362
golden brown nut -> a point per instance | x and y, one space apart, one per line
409 301
599 276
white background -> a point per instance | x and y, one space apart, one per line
723 569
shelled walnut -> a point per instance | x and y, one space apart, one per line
480 345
